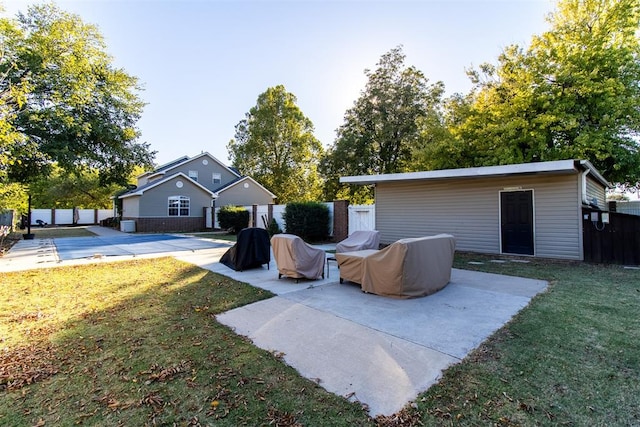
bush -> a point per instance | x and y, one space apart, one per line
273 228
111 222
233 218
309 220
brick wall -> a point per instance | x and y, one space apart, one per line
340 220
173 224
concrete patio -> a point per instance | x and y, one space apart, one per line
379 351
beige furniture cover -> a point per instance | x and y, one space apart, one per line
360 240
407 268
351 264
297 259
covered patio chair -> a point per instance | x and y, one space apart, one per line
296 259
252 250
360 240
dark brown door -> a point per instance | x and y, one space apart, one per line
516 213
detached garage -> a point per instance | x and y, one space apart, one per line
524 209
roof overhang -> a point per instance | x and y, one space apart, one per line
242 180
554 167
140 191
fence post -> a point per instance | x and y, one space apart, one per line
269 213
254 209
340 220
53 217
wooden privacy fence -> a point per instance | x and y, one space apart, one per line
614 242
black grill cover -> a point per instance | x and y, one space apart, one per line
252 249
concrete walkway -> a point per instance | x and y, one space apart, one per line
107 245
379 351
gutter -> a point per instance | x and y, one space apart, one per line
593 171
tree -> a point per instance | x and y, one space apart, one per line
62 102
80 188
574 93
275 145
13 196
10 96
381 130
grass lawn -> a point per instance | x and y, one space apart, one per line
54 231
217 236
137 343
572 357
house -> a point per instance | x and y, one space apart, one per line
182 195
523 209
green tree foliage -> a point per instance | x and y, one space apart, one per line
10 96
66 190
13 196
382 129
61 100
275 145
63 190
574 93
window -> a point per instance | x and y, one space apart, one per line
217 178
179 206
193 175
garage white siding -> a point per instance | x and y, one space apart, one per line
597 192
470 210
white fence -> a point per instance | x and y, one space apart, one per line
362 217
65 216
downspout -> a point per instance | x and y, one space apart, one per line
584 185
596 175
584 202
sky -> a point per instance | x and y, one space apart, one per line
203 64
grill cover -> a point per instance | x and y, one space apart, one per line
252 249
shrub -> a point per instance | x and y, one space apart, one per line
233 218
309 220
111 222
273 228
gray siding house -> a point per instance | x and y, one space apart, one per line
524 209
181 195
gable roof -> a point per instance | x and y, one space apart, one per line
240 180
167 167
163 167
140 190
553 167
